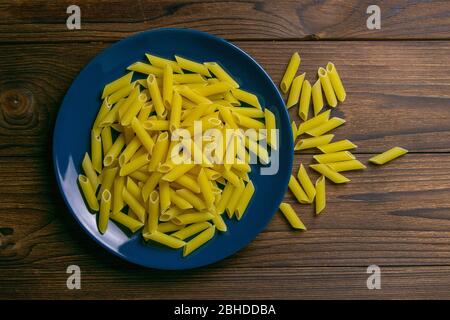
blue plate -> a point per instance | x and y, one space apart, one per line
80 106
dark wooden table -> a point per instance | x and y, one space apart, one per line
396 216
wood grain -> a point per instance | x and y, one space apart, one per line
390 100
42 21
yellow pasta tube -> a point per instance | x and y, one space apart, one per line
88 192
151 184
336 82
346 165
291 216
89 171
180 202
246 97
231 99
296 88
193 96
121 93
175 112
142 134
234 199
145 112
106 138
117 84
134 204
290 72
192 66
133 110
334 157
297 190
248 122
139 176
153 211
306 183
329 173
305 100
156 125
156 96
227 117
219 223
314 122
114 151
135 164
191 230
132 224
340 145
326 127
320 195
105 207
167 85
249 112
129 150
192 198
205 187
164 195
213 89
244 200
105 108
145 68
221 74
327 87
231 177
109 175
177 172
198 241
309 143
162 63
189 183
188 78
166 227
317 98
131 99
159 151
164 239
271 127
294 130
226 195
192 217
119 184
388 155
170 213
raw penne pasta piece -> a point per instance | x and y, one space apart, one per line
192 217
166 227
247 97
188 78
317 98
193 96
313 122
213 89
143 135
244 200
327 87
219 223
132 112
206 188
156 125
145 68
109 174
290 72
306 183
135 164
329 173
326 127
164 196
192 66
226 195
129 150
159 151
221 74
170 213
294 130
346 165
120 94
199 240
177 172
117 84
189 183
134 204
234 199
294 92
164 239
320 195
156 96
167 86
291 216
305 100
334 157
309 143
132 224
162 63
297 190
175 112
249 112
118 204
106 138
88 192
231 99
153 211
89 171
105 207
191 230
105 108
180 202
114 151
388 155
336 82
340 145
271 127
192 198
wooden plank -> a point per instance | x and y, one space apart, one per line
117 281
390 102
394 215
42 20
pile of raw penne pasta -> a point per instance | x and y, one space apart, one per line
314 131
130 176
